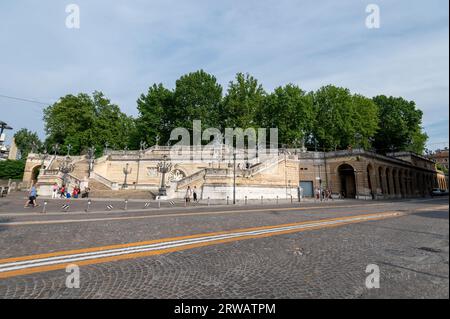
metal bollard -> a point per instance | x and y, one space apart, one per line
159 203
89 202
262 200
228 199
245 200
277 200
208 201
126 204
44 208
292 199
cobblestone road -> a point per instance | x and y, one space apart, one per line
411 251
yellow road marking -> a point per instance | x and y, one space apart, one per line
340 222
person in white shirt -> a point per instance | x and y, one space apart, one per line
55 188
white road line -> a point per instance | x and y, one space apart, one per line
171 244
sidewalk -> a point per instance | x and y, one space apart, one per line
15 204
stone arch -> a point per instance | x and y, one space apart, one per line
35 173
347 180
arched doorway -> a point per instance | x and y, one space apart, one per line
347 181
35 173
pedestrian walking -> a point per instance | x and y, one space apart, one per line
32 195
194 194
62 191
188 195
55 189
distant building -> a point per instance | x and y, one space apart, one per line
4 151
440 157
14 153
347 174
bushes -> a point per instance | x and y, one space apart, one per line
11 169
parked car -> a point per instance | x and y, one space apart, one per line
439 192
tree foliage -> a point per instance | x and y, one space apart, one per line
343 119
400 125
197 96
243 102
84 121
290 109
12 169
329 118
25 141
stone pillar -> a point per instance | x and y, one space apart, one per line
397 184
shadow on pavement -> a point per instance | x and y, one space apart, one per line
2 221
437 214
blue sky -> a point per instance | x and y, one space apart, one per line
122 47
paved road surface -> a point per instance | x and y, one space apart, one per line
316 250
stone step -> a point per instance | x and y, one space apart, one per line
95 185
130 194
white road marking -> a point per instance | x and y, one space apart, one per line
71 258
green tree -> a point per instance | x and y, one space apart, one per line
289 109
84 121
365 120
25 141
197 96
400 125
12 169
243 102
155 118
343 119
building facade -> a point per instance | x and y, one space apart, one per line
216 174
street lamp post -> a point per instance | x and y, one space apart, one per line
55 149
91 157
126 172
66 167
164 168
69 147
43 156
105 151
234 177
143 146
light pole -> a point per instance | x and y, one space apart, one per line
91 157
44 156
234 176
126 171
164 168
55 149
105 151
69 147
66 167
143 146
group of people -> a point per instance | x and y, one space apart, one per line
62 192
191 193
323 194
57 192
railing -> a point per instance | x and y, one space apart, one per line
187 180
104 180
51 172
